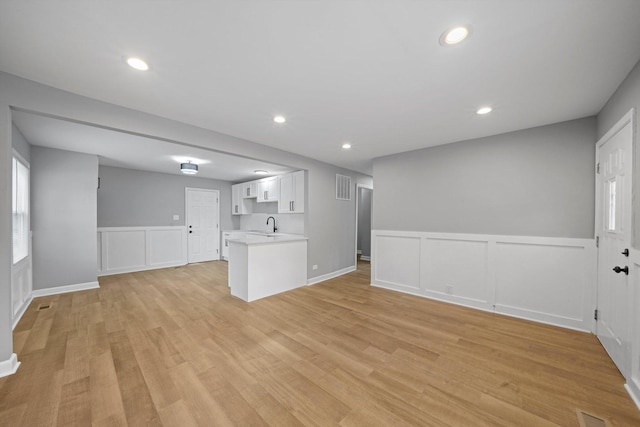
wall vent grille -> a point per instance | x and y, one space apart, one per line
343 187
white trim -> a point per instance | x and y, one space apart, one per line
65 289
332 275
21 311
140 268
105 268
493 273
634 392
365 258
9 366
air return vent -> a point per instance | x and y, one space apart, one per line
343 187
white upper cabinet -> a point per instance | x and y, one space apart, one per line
291 198
249 190
268 190
239 205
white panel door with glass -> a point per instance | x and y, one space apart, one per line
613 230
202 213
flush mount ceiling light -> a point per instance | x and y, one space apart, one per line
137 63
279 119
260 172
454 35
484 110
346 146
189 168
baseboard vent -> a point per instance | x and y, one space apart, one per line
44 306
589 420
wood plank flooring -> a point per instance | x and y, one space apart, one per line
171 347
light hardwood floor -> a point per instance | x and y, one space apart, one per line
171 347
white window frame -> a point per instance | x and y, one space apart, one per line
17 158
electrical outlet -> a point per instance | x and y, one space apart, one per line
176 217
448 289
314 267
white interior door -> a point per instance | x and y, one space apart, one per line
613 228
203 212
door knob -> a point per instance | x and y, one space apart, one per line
620 270
191 231
625 252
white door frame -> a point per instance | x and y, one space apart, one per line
634 312
186 217
358 187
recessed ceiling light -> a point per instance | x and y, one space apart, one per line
260 172
484 110
346 145
454 35
137 63
279 119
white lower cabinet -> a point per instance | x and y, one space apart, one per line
226 236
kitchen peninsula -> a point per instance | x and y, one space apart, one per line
267 264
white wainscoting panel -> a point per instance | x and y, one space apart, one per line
398 262
128 249
456 270
550 280
545 282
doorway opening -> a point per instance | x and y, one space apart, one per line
364 200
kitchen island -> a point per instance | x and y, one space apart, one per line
264 265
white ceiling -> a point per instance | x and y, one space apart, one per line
124 150
369 72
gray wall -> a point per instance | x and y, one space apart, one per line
330 223
6 338
130 198
20 144
63 218
626 97
364 221
534 182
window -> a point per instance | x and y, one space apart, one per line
20 210
611 208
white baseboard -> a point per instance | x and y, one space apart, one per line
332 275
10 366
21 311
140 268
365 258
64 289
634 392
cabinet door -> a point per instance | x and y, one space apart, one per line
286 193
273 192
236 199
249 189
268 190
297 199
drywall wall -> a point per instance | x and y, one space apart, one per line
534 182
63 217
133 198
626 97
6 155
20 143
329 223
364 221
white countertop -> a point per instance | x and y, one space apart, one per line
260 238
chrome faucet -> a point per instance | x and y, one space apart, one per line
274 223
